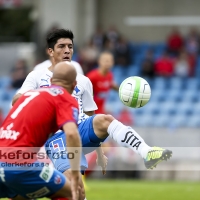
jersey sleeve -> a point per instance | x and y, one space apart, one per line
30 83
87 98
66 111
77 67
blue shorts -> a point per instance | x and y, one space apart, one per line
6 192
35 181
56 150
89 143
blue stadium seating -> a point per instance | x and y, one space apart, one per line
175 102
4 82
5 107
193 121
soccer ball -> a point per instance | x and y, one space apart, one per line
134 92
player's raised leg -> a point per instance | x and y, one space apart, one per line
125 136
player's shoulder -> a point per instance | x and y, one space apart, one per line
75 63
43 65
37 72
83 83
77 67
37 75
82 79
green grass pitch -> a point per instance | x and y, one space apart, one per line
141 190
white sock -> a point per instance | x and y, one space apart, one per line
125 136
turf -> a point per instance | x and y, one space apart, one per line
141 190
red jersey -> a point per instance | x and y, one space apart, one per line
101 86
36 115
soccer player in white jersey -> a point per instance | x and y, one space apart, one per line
95 129
47 63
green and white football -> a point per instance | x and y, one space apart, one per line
134 92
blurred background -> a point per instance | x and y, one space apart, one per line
158 40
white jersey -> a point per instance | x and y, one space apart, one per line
83 91
47 63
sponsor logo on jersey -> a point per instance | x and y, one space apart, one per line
39 193
76 90
44 82
8 133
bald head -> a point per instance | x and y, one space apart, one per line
64 74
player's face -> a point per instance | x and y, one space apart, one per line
63 50
106 61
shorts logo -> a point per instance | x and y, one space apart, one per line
57 180
39 193
57 145
46 173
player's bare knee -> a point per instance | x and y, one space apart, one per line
109 118
103 121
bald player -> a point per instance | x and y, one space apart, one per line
32 119
60 48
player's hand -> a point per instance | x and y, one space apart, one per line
102 161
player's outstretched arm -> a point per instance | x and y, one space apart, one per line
74 151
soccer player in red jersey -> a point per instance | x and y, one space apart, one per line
102 80
36 115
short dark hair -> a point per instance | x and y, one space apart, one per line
56 34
